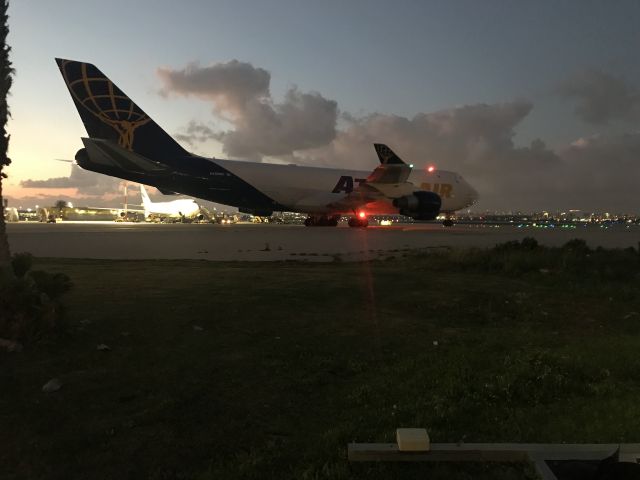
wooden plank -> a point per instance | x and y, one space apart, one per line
490 452
389 452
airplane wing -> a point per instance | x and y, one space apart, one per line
386 182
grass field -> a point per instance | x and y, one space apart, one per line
240 370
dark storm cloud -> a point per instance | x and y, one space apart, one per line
303 120
475 140
602 172
87 183
602 97
262 127
595 173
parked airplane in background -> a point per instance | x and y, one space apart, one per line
124 142
182 207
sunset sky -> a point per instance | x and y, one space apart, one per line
537 104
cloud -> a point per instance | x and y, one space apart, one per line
302 121
602 97
196 133
261 127
231 86
88 183
602 172
475 140
593 173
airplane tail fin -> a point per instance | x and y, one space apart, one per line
109 114
386 155
146 201
392 170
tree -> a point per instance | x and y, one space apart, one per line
60 206
6 78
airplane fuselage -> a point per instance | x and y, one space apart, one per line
186 207
262 188
310 189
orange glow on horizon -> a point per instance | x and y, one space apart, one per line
18 192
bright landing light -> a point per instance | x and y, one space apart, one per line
431 169
362 214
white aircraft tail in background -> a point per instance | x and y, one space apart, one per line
186 207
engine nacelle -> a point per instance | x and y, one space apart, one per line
420 205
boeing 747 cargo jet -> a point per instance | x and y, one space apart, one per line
124 142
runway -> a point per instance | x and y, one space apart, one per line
266 242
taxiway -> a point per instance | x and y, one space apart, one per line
251 242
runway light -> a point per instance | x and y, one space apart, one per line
362 214
431 169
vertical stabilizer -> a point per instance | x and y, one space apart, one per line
146 201
109 114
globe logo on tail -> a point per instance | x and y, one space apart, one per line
103 99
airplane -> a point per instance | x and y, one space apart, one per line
186 207
125 142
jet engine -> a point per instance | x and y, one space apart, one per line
420 205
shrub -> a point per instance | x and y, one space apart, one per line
577 245
51 284
21 263
574 259
30 305
527 243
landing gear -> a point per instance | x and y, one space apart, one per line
356 222
448 222
322 221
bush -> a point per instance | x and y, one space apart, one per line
30 305
526 244
21 263
51 284
577 245
574 259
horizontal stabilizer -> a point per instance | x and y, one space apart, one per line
110 154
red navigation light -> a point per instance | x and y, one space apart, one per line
362 214
431 169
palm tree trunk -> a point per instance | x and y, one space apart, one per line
6 73
5 254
